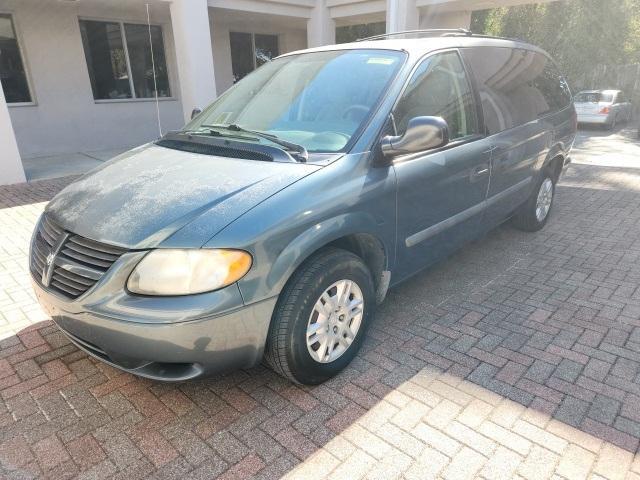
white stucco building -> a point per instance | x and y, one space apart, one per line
77 75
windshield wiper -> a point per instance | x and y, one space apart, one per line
301 152
213 133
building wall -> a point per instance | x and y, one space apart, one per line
433 18
65 117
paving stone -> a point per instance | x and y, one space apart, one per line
604 409
572 411
528 368
568 370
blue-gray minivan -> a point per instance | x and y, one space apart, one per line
275 221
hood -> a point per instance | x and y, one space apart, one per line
144 196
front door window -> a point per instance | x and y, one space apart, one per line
439 88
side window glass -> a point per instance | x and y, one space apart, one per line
516 86
553 88
439 87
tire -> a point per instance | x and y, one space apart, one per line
527 217
287 351
612 125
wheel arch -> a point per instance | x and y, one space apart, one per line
555 161
361 239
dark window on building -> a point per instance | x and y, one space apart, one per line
266 48
12 72
116 75
142 62
516 85
351 33
249 51
106 60
439 88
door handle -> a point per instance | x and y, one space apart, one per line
479 171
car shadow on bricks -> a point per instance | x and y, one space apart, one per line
520 355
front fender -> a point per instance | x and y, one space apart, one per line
316 237
345 198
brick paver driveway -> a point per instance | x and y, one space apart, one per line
518 357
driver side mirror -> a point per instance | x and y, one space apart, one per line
423 133
195 112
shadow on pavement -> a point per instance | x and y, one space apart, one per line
521 350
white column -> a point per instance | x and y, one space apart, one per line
192 37
321 28
402 15
435 18
11 170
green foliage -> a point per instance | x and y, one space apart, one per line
579 34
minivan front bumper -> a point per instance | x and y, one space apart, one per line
168 351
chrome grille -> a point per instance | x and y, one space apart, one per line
75 263
46 236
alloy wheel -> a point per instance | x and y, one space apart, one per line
543 202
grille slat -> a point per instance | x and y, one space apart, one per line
47 237
58 277
41 246
76 268
39 256
50 232
99 247
109 257
86 259
52 226
82 282
72 292
79 264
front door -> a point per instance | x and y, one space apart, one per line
441 193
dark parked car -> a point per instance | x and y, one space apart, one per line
276 220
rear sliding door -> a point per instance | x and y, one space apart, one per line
515 108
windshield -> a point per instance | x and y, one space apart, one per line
318 100
593 97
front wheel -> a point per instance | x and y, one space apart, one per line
534 213
321 316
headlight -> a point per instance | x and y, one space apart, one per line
185 272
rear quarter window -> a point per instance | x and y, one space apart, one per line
516 86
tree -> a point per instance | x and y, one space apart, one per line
579 34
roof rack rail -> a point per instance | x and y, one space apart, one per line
440 32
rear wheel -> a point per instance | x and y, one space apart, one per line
321 317
534 213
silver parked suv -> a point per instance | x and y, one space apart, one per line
276 220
